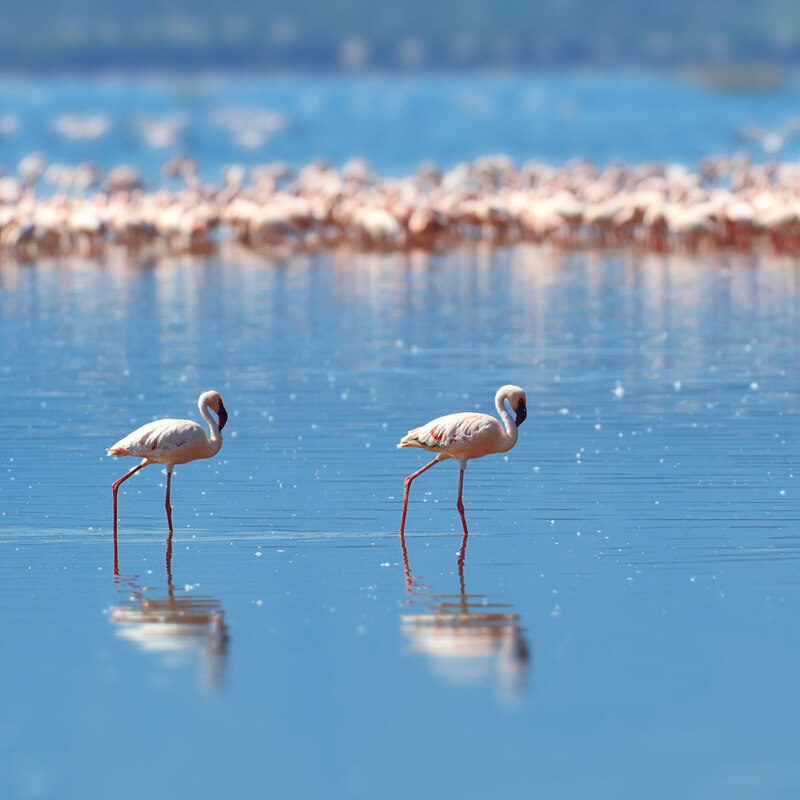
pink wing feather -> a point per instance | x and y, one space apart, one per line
160 440
455 433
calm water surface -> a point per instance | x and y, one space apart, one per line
394 122
623 623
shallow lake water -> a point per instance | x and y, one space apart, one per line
623 622
395 122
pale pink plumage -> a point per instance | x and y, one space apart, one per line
166 441
171 442
460 436
467 435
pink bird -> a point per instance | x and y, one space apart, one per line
171 442
467 435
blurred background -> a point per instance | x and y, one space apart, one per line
166 90
45 35
397 84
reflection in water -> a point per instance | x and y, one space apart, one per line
175 626
469 639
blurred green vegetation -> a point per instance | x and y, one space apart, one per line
414 34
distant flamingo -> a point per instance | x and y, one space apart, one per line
171 442
728 203
464 436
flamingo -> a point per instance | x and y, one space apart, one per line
464 436
171 442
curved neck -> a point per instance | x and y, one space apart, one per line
214 437
508 421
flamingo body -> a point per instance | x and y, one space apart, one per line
167 441
460 436
171 442
467 435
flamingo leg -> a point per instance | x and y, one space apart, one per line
460 504
410 585
115 486
408 481
462 554
167 504
168 558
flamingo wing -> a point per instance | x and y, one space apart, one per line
464 435
164 440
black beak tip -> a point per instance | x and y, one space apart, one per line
223 416
522 413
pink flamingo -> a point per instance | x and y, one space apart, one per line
171 442
464 436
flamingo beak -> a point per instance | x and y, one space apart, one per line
522 413
223 415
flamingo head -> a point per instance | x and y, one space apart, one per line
214 402
517 400
521 411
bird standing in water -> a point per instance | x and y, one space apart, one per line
171 442
467 435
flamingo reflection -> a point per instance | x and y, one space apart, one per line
469 639
176 626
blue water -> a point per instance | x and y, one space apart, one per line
623 623
394 122
642 535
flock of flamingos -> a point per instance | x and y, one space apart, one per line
727 203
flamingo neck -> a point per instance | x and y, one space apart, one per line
214 437
508 421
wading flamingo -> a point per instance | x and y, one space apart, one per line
464 436
171 442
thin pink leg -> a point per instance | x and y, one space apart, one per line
167 504
410 585
460 502
462 554
408 481
169 561
115 486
